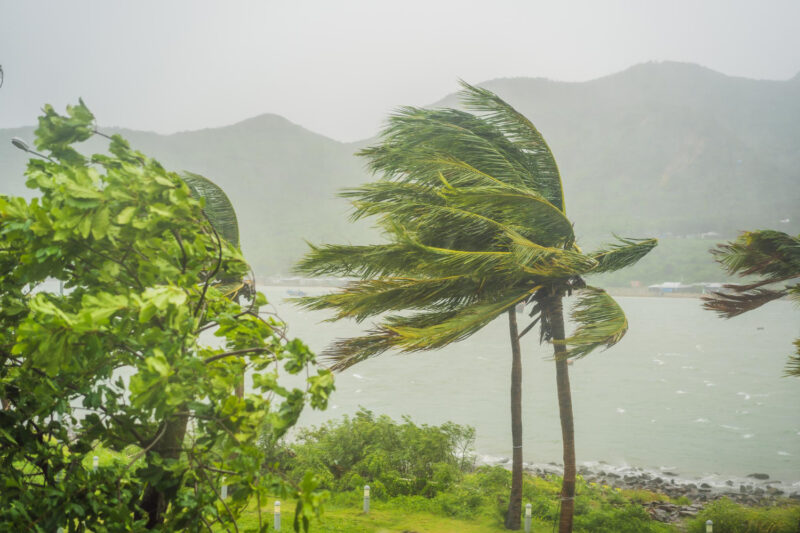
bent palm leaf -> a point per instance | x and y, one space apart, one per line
218 208
601 322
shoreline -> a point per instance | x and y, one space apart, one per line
327 284
755 489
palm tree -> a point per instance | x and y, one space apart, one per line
772 255
473 209
219 211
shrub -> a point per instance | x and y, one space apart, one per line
730 517
406 458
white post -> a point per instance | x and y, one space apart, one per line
709 526
95 462
224 490
366 499
277 523
528 518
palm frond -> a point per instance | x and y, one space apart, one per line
623 254
731 304
793 366
415 135
545 262
600 320
521 131
365 298
465 322
405 256
772 254
218 208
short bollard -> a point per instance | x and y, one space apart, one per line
95 462
276 524
709 526
366 499
528 518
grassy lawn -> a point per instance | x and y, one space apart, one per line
383 518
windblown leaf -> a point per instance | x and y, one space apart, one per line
601 322
540 162
362 299
732 303
218 208
421 331
623 254
772 254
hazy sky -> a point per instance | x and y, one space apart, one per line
338 67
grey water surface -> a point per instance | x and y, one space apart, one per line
684 391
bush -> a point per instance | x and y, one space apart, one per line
730 517
404 458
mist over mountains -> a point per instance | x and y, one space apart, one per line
669 150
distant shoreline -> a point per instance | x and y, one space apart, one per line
639 292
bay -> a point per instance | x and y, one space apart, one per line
684 391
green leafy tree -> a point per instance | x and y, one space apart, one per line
774 257
473 209
138 356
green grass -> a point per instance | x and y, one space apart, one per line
384 517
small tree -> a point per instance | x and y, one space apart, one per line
772 255
124 360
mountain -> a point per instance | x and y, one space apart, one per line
281 178
664 149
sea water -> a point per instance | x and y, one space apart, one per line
684 391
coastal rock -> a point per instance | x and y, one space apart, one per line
758 476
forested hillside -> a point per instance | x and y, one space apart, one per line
662 149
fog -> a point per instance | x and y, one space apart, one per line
337 68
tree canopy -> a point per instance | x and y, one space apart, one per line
138 355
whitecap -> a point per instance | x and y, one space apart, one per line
687 367
743 394
702 420
680 392
620 410
652 420
748 436
658 362
358 376
699 348
358 390
732 428
786 454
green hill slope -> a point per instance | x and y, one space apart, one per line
664 149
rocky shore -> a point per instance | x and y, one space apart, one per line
758 489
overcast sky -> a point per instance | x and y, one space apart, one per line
338 67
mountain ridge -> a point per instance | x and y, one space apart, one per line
662 149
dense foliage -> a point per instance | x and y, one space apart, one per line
393 458
431 469
140 352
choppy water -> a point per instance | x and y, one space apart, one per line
684 391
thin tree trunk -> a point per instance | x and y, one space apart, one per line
555 313
155 500
514 514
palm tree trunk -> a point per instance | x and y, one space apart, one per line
555 315
514 514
